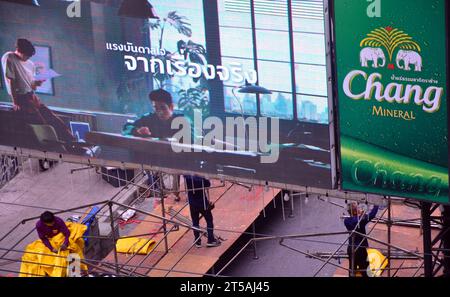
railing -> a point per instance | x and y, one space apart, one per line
105 207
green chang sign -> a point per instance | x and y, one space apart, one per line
392 97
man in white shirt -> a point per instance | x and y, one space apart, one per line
20 83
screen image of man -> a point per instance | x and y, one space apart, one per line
158 124
19 73
49 226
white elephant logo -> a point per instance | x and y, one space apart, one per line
409 57
387 40
372 54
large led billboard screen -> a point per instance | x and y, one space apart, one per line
392 86
226 87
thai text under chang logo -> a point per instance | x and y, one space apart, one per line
430 99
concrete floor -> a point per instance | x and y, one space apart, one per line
32 192
321 217
37 191
275 260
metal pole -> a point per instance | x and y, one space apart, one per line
116 260
291 215
389 227
255 256
234 257
17 243
307 254
340 246
163 211
11 231
426 223
70 210
282 206
352 258
300 207
392 245
446 239
150 254
436 258
184 224
273 199
263 203
273 238
181 258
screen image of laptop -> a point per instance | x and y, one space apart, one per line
79 130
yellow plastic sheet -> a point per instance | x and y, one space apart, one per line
135 245
377 262
38 260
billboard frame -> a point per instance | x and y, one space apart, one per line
82 160
332 94
447 29
336 116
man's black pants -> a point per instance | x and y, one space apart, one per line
358 263
195 215
32 111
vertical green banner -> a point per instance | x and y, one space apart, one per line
391 65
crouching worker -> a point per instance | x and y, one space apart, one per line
48 227
59 251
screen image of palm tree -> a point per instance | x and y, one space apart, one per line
192 99
176 21
189 52
390 38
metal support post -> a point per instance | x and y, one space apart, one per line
111 217
352 258
389 227
255 256
427 248
446 239
163 210
291 215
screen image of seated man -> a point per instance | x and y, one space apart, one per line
19 73
156 125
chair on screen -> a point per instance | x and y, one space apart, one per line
47 138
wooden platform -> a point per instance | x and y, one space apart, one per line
236 209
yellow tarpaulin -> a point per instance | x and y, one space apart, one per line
135 245
38 260
377 262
